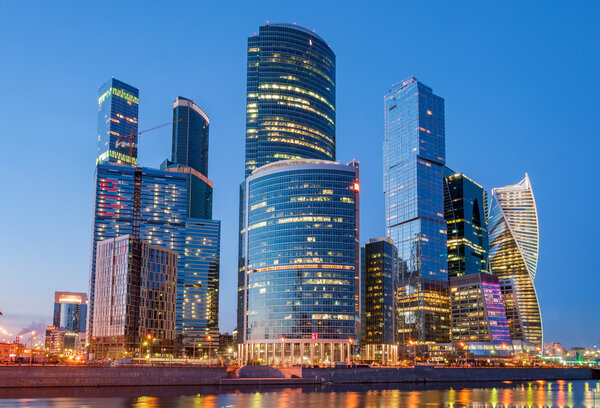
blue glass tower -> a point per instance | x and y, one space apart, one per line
290 108
300 237
414 155
465 210
190 136
117 117
290 103
70 311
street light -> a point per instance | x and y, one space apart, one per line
209 338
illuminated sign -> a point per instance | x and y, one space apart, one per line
121 94
111 186
118 156
69 299
356 187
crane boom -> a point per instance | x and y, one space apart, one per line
132 135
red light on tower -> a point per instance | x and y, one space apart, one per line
356 186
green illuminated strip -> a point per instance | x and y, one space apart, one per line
121 94
118 156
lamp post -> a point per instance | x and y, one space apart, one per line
209 338
282 349
149 337
350 341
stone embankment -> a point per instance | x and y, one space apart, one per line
88 376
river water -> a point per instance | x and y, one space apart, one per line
497 395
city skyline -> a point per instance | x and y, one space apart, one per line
155 109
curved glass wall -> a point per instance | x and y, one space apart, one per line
514 248
300 240
290 111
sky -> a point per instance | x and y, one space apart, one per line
519 78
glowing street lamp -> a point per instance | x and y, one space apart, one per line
209 338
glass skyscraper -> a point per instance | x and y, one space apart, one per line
300 237
70 311
117 117
414 156
514 248
153 205
290 108
381 269
465 210
190 136
290 101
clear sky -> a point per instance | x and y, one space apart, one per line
520 80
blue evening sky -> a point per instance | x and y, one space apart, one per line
520 80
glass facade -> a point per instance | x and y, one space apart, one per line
290 109
300 237
70 311
117 117
190 136
414 156
381 270
154 205
465 211
477 306
514 248
290 102
135 296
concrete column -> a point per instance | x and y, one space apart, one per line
312 354
322 350
349 353
274 346
302 353
282 353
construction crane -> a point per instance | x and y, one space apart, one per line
133 136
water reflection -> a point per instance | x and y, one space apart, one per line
496 395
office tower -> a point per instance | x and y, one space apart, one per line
381 274
135 296
70 311
414 155
290 107
117 117
477 307
154 205
190 136
514 248
465 211
301 266
290 101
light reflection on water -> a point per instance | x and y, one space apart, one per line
495 395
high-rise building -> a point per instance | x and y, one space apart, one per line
478 313
135 292
290 101
70 311
514 248
301 267
290 108
154 205
117 117
190 136
381 278
465 211
414 156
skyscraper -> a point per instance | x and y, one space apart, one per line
190 135
290 108
381 278
290 101
465 211
117 117
514 248
135 296
153 205
300 237
414 156
70 311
